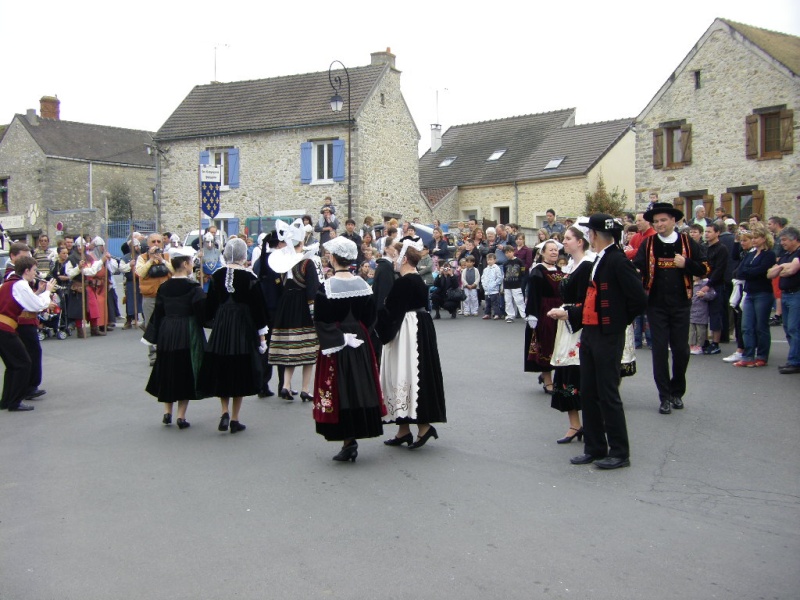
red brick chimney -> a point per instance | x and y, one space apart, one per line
49 107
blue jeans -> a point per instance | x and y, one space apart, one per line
755 325
639 325
790 303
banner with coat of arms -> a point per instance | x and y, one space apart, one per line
210 180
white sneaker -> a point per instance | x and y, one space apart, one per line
696 350
735 357
509 320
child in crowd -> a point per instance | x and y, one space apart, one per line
512 284
562 261
326 265
328 203
369 256
470 278
492 283
698 319
366 272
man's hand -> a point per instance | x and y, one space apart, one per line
680 261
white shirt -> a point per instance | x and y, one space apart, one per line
600 256
28 299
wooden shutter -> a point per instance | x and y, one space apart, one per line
658 148
708 204
233 167
686 144
758 202
787 131
338 160
726 201
205 157
305 162
751 136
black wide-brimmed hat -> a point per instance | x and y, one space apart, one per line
603 222
662 208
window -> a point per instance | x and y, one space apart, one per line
696 79
742 202
4 195
227 159
689 201
503 214
448 161
554 163
497 154
769 133
672 145
322 161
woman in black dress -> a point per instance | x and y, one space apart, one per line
176 329
411 374
540 332
348 404
232 365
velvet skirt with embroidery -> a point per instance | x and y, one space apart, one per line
348 403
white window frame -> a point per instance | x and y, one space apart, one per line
496 154
448 161
221 155
327 146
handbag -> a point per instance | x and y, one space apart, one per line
456 295
566 347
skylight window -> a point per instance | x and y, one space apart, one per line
448 161
554 163
497 154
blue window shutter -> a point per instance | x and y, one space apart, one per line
305 162
205 157
233 225
233 168
338 160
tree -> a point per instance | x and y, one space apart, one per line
120 207
602 202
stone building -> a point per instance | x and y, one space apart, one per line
54 171
282 148
721 130
514 169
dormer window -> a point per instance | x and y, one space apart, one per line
497 154
554 163
448 161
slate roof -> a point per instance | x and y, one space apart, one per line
267 104
782 47
473 143
84 141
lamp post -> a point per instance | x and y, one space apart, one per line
336 106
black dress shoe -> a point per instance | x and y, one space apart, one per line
677 402
266 393
399 441
224 422
665 407
236 427
286 395
183 424
789 369
167 418
305 397
584 459
20 408
347 453
421 441
612 462
37 393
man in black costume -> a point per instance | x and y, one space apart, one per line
667 262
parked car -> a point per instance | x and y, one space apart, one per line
4 258
191 238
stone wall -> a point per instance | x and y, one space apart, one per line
734 80
385 168
22 162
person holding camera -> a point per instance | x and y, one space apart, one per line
668 261
153 269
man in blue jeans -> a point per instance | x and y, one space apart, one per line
788 270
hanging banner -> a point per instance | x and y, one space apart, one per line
210 179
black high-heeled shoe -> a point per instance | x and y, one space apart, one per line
183 424
568 438
286 395
349 452
421 440
306 397
224 422
167 419
236 426
399 441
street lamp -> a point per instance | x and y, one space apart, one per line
336 106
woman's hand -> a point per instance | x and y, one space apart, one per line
557 313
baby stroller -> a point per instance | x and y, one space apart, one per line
54 322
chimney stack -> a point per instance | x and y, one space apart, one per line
30 115
382 58
436 137
49 107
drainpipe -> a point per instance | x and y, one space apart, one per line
516 204
90 184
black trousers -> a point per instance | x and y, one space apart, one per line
18 369
604 426
29 334
670 328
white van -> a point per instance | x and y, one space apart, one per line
191 238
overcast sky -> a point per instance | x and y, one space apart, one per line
130 65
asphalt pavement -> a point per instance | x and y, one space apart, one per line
101 501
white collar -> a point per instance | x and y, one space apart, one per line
670 239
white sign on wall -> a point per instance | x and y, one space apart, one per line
16 222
